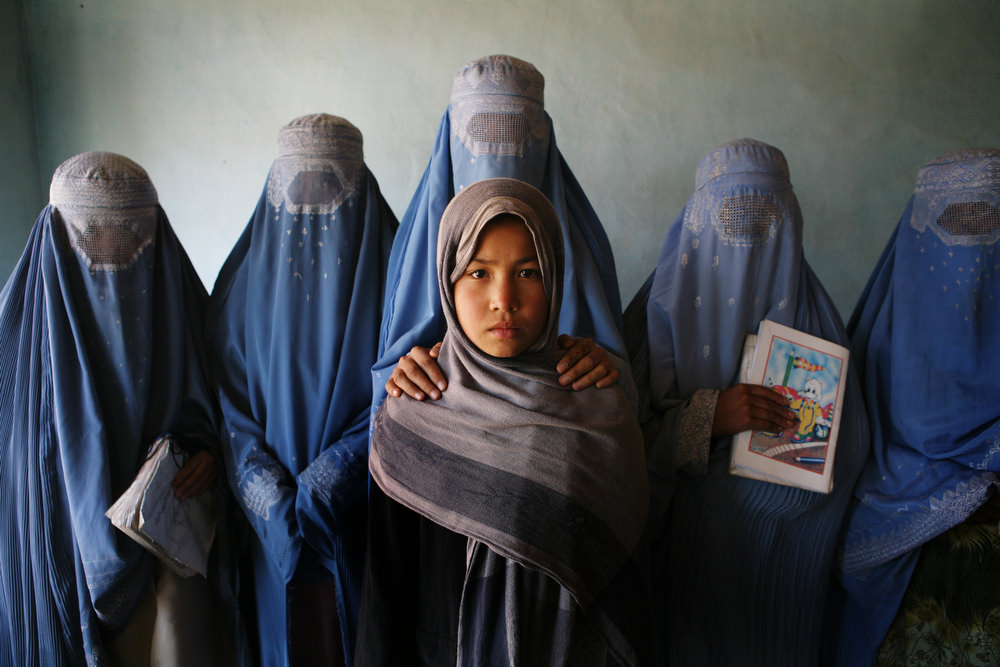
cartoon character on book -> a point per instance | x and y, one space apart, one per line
814 418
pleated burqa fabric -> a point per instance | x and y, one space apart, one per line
923 334
100 354
293 327
496 126
547 484
742 567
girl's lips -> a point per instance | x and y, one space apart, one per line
504 330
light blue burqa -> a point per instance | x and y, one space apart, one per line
742 567
100 354
924 336
293 324
495 126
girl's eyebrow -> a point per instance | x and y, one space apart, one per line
491 262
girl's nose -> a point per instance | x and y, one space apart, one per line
504 297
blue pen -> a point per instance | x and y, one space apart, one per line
809 459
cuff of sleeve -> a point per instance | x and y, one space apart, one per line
694 432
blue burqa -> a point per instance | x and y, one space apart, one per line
496 126
100 354
293 323
923 335
742 567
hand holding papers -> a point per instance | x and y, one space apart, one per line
178 532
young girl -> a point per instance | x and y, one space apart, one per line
507 516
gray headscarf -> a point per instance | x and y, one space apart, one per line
463 223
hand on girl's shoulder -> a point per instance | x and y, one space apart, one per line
584 364
418 375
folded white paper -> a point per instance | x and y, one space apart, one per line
178 532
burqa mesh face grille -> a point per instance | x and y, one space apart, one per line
498 128
313 188
109 247
747 219
975 218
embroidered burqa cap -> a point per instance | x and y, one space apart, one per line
319 165
497 107
108 204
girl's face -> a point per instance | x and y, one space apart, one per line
500 301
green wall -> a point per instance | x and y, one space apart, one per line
21 191
857 93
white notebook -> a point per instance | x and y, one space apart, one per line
811 373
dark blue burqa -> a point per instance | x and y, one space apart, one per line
293 325
100 354
923 334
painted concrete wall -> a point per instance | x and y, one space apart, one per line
21 192
858 94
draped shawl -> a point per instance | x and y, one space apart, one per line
496 126
293 321
547 477
743 566
100 354
923 334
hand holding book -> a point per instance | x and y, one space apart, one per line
751 407
195 477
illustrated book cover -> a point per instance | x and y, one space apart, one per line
811 373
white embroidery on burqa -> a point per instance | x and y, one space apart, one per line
992 457
924 520
259 484
325 474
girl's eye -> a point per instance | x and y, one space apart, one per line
478 273
532 274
